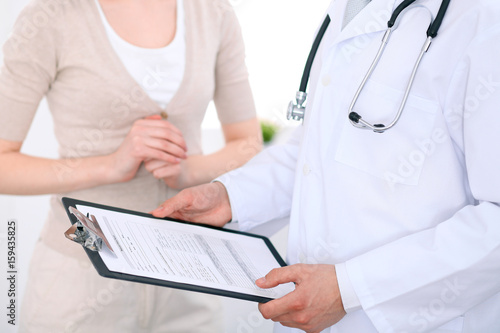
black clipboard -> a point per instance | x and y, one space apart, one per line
103 270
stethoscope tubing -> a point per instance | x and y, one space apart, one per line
355 119
312 54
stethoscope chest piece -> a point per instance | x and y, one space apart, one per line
297 109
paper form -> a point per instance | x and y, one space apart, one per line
185 253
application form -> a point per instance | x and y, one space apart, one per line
185 253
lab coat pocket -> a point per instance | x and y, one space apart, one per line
399 154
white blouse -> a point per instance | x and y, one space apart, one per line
158 71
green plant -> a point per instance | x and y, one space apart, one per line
269 129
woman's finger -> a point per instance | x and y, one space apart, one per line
152 165
162 133
146 152
152 121
170 170
165 146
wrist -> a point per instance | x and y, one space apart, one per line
112 170
192 171
106 170
223 196
88 172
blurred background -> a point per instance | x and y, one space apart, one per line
278 35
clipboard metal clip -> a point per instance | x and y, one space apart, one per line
87 232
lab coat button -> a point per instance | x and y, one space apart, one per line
306 170
326 80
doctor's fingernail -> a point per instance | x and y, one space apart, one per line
262 280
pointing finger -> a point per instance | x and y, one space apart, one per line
279 276
171 206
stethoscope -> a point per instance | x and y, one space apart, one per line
296 109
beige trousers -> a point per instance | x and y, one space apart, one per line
67 295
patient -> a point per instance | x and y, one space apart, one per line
127 83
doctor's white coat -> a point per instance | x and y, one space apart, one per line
413 213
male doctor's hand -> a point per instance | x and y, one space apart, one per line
208 203
314 305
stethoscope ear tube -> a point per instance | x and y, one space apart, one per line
434 27
312 54
402 6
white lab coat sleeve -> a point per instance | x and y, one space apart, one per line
421 281
262 189
348 295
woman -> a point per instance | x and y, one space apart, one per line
111 71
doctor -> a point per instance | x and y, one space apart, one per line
390 232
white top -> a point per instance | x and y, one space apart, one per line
158 71
410 217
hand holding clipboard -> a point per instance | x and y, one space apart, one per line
176 254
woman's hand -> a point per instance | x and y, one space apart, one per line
150 138
174 175
243 141
180 175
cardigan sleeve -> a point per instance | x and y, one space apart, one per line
233 96
28 70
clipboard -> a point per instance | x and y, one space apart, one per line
97 246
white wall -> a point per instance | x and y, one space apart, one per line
278 35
